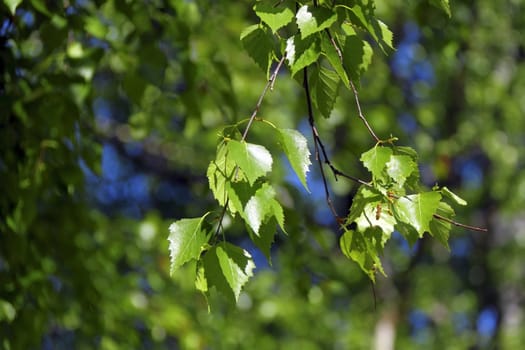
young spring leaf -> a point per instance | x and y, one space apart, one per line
295 146
364 248
417 210
254 160
186 239
301 53
239 193
265 238
365 18
376 214
219 173
375 160
324 87
357 54
227 268
440 229
258 43
312 20
261 206
275 17
400 167
442 4
332 55
449 194
365 196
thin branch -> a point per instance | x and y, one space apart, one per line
353 88
357 103
318 144
458 224
269 85
371 131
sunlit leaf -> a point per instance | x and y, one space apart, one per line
418 209
12 5
301 53
186 238
400 167
227 268
254 160
219 173
263 205
375 160
274 16
364 248
449 194
376 214
311 20
365 195
295 146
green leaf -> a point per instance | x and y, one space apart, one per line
442 4
325 85
409 151
12 5
265 238
400 167
258 43
332 55
186 239
357 56
364 196
239 193
449 194
227 268
261 206
364 248
301 53
295 146
440 229
314 19
417 210
275 17
363 15
219 173
375 160
376 214
254 160
407 231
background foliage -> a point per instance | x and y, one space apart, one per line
109 115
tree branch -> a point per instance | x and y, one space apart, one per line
353 88
269 85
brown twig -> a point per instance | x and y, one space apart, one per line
318 144
269 85
353 88
458 224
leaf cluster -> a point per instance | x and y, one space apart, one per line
332 44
